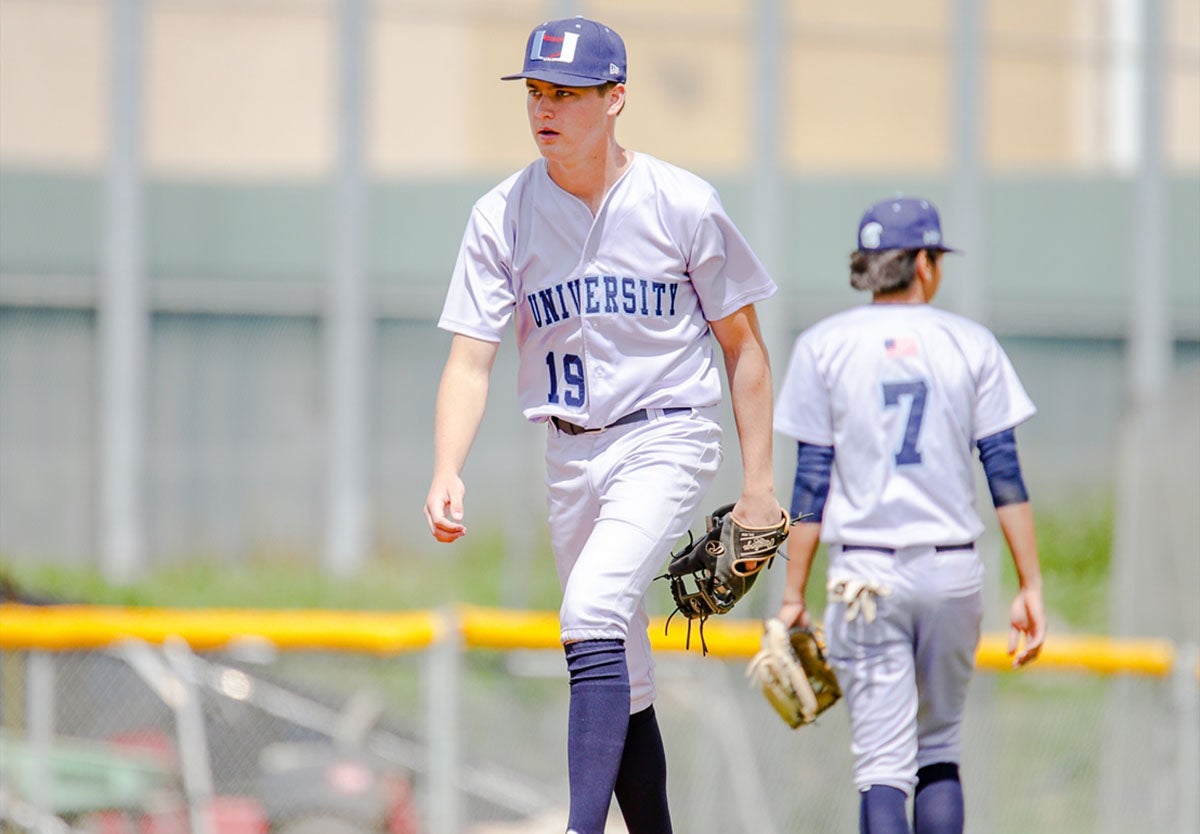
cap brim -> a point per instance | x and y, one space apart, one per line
562 79
914 249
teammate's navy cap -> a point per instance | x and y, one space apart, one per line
901 223
575 52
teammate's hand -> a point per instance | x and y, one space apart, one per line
444 510
1028 619
794 613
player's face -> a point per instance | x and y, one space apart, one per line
566 121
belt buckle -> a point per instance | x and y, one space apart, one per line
573 429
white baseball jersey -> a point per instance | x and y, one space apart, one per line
902 392
611 311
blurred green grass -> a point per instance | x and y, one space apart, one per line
468 572
1075 545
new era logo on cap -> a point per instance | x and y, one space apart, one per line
901 223
575 52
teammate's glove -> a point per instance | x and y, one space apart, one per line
793 674
721 566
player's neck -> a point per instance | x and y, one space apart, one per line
920 290
912 294
590 177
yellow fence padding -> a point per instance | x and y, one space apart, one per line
69 627
78 627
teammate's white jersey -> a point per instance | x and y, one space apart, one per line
611 312
910 388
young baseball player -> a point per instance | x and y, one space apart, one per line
889 402
616 270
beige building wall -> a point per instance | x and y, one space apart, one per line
247 89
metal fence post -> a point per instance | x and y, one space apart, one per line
122 313
40 708
1187 708
443 695
172 678
193 736
348 322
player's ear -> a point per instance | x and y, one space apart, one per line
616 99
926 269
923 264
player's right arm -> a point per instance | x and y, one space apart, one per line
461 398
814 470
802 543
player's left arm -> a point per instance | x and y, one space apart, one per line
748 369
998 453
1027 613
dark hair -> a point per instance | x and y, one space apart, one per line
888 270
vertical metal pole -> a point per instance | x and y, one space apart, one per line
442 694
1123 135
965 288
1139 528
768 176
195 761
1150 337
348 320
1187 706
40 707
767 207
123 327
967 278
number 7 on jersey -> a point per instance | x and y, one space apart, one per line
894 395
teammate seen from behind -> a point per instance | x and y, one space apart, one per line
616 270
889 402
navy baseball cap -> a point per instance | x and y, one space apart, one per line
901 223
575 52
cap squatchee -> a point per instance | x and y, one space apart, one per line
901 223
575 52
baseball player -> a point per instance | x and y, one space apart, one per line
888 402
616 270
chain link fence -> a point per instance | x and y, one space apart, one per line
158 739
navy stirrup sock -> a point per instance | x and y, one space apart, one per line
599 719
642 780
938 807
881 810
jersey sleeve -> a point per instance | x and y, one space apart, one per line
802 409
480 299
1001 402
725 272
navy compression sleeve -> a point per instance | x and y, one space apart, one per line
814 466
998 453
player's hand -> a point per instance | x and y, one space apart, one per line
757 511
444 509
1028 619
794 613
